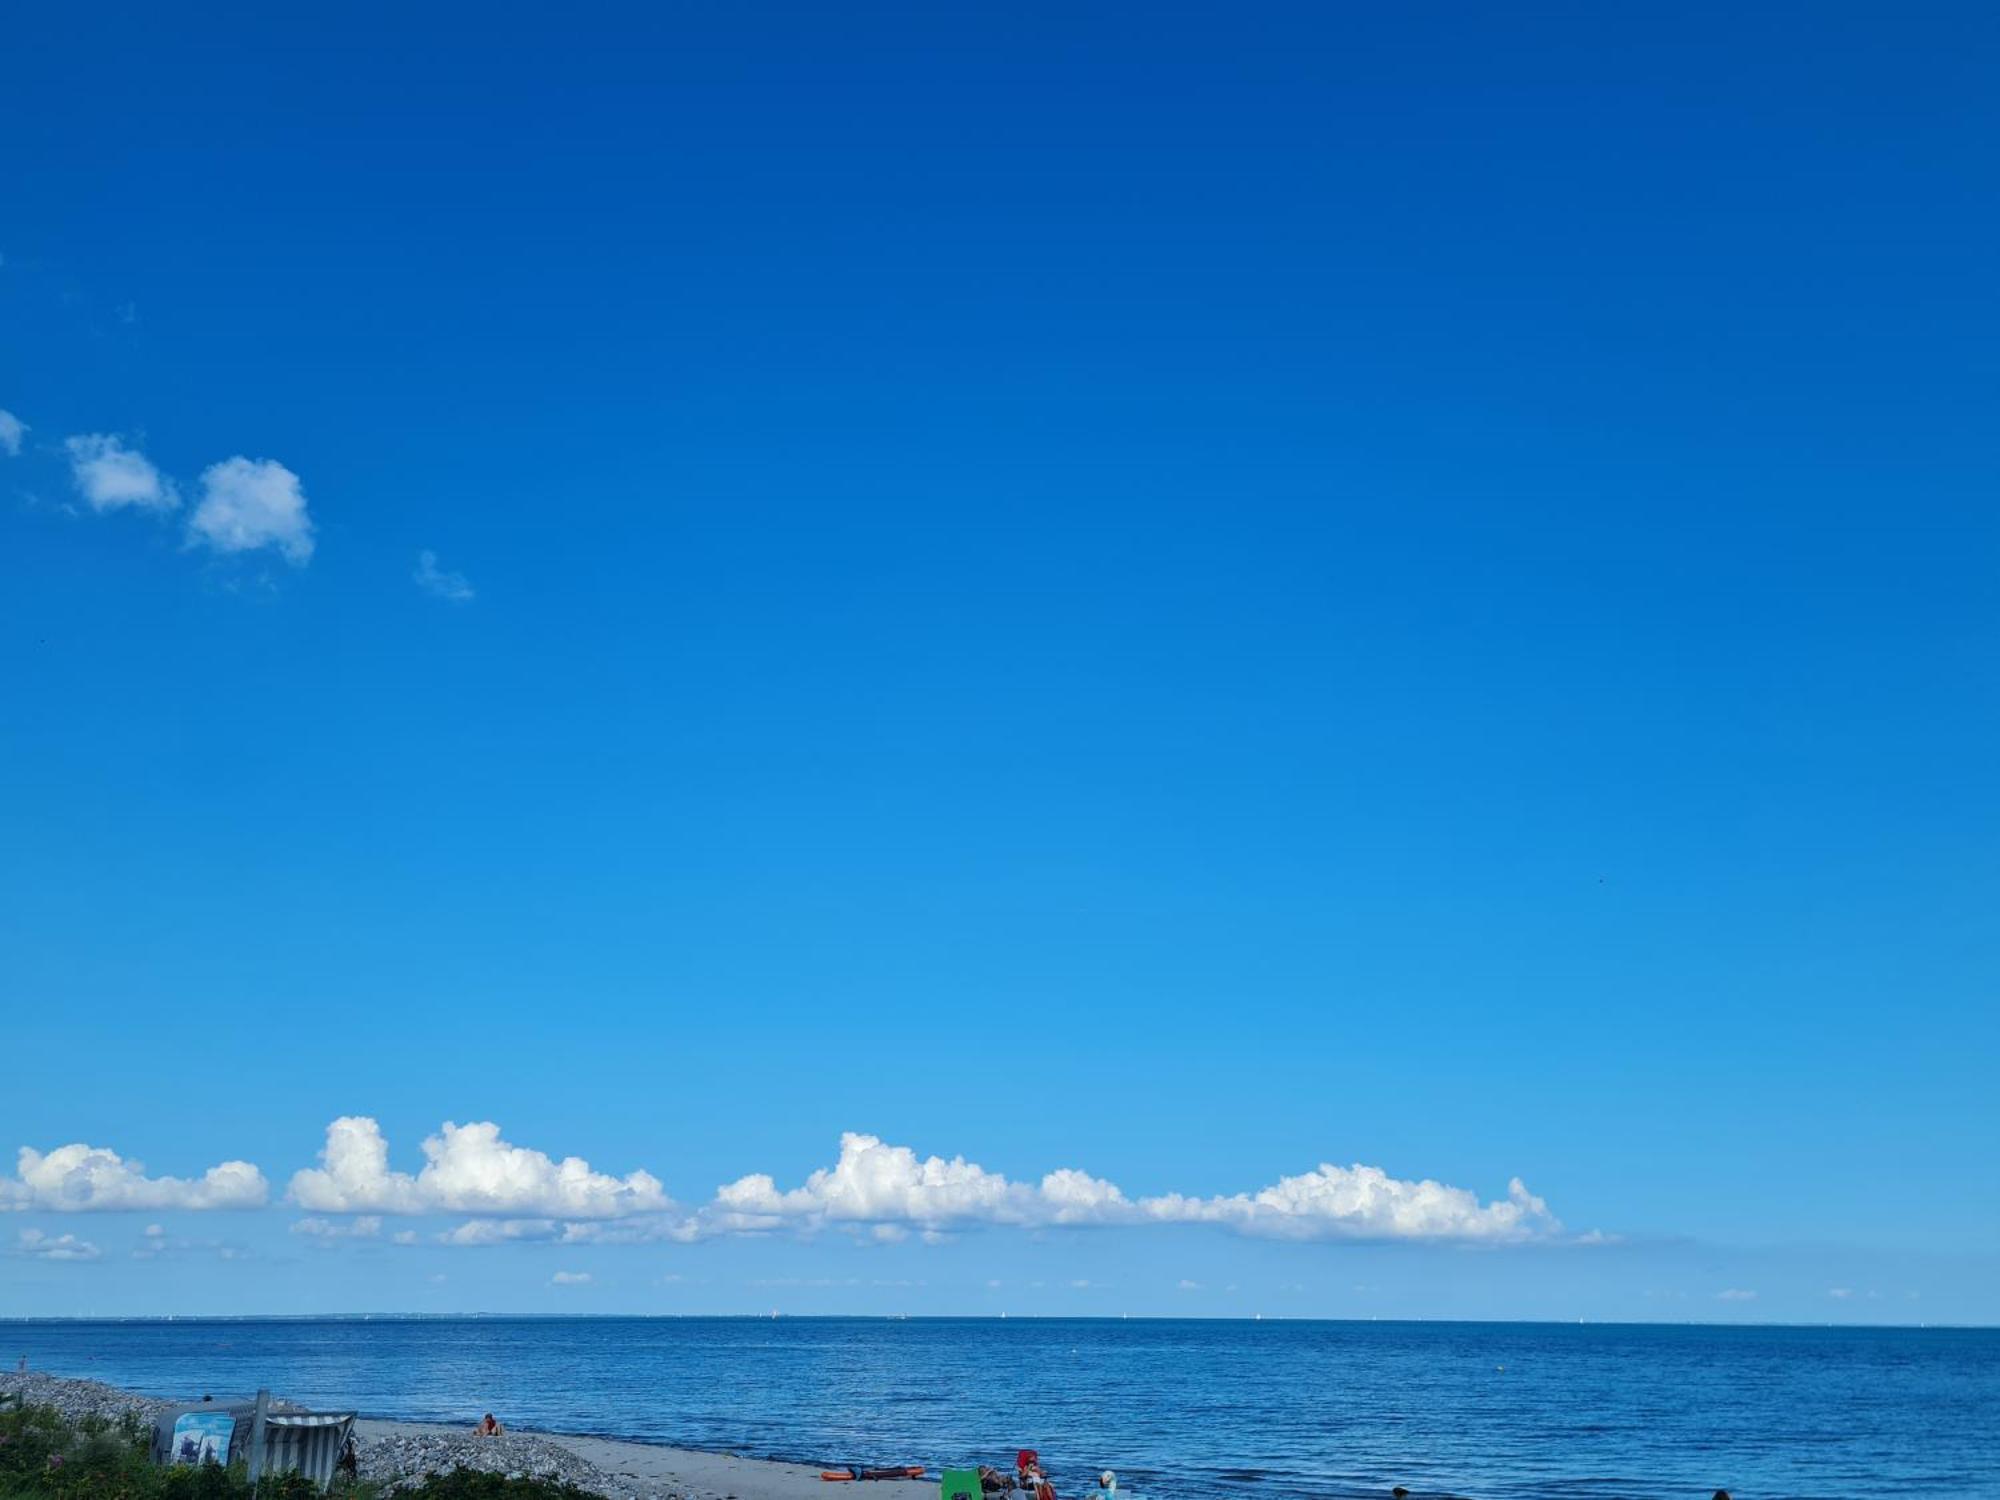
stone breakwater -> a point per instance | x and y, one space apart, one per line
395 1460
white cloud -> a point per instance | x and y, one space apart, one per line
876 1183
468 1169
873 1182
33 1242
12 430
1360 1202
1189 1286
645 1229
1072 1197
111 476
367 1227
247 504
500 1231
454 588
1735 1294
77 1178
570 1278
873 1190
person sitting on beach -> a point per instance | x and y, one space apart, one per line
488 1427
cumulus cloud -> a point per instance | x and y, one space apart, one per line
1360 1202
468 1169
247 504
110 476
78 1178
1072 1197
873 1182
12 430
874 1191
570 1278
40 1246
454 588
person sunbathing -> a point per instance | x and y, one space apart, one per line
488 1427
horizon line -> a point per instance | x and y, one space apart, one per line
18 1320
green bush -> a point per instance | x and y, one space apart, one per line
43 1456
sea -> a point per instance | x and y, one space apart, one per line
1179 1409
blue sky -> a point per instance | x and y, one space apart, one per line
1179 596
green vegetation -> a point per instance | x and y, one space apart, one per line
44 1456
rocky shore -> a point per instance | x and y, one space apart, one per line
397 1459
387 1455
398 1454
77 1399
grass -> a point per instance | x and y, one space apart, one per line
45 1456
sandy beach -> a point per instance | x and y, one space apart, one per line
646 1469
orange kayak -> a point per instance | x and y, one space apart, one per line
904 1471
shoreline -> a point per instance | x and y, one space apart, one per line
392 1449
657 1469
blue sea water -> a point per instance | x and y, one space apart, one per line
1181 1409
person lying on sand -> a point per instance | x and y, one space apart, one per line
488 1427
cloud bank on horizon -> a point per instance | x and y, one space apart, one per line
508 1193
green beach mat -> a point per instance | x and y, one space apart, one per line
959 1484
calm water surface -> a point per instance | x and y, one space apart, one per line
1250 1411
